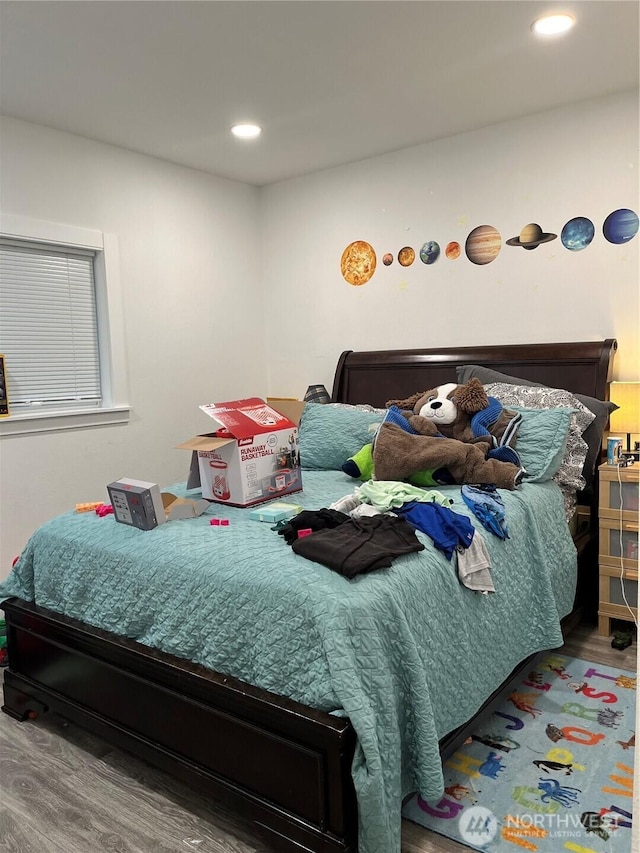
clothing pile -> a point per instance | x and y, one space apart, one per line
430 512
350 546
367 529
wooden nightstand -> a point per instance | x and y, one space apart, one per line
616 529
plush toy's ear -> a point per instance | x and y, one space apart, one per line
409 403
470 398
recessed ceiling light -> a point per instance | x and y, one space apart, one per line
553 25
246 131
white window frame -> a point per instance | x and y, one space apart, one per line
113 365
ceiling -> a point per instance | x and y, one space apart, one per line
331 82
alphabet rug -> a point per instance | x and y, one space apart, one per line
548 766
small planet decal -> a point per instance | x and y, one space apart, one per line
577 233
387 259
406 256
430 252
358 262
620 226
483 244
452 251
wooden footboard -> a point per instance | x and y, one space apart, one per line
286 765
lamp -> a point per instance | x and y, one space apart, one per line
626 419
317 394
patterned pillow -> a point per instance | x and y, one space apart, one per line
569 475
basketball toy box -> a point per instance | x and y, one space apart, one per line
252 457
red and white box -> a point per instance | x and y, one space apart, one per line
253 457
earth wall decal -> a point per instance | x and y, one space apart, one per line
430 252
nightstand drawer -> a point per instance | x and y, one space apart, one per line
618 541
611 588
613 493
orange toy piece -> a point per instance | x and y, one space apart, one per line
89 507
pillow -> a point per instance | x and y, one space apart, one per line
542 441
332 432
569 474
592 435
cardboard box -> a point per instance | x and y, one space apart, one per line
136 503
140 504
253 458
176 508
288 406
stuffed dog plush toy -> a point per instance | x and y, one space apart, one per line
448 410
456 427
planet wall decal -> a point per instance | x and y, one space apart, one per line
453 250
358 262
406 256
620 226
577 233
430 252
483 244
531 237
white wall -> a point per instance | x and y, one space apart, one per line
547 168
192 308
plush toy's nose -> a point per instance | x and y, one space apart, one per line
436 405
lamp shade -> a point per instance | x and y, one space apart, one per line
317 394
626 419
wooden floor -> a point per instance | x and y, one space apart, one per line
65 791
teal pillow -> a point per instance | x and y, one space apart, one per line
542 441
330 433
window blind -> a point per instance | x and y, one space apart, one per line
48 326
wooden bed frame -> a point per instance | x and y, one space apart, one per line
287 766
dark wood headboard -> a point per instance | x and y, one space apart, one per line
377 376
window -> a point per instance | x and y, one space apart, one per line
61 329
48 326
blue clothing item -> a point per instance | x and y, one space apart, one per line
483 419
488 507
446 528
502 449
505 454
394 416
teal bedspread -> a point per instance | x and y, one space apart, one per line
407 652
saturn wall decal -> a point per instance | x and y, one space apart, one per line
531 237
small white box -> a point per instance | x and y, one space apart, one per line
137 503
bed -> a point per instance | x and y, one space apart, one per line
291 742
